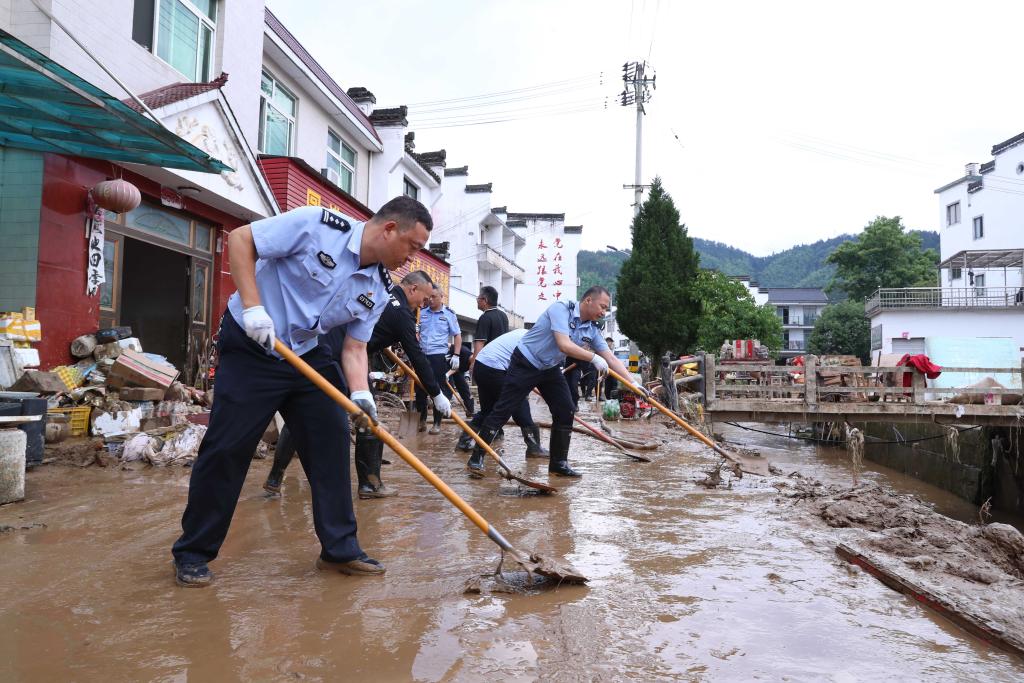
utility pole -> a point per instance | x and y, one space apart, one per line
636 92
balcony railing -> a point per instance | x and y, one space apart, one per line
492 257
796 345
944 297
806 321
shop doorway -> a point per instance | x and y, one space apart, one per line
155 285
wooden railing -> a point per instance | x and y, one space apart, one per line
725 381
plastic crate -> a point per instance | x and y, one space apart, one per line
77 417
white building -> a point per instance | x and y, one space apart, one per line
799 309
549 260
981 231
484 249
757 293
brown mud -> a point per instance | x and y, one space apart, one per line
687 583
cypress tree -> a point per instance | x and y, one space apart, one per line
657 307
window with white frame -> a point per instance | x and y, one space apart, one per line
979 227
277 117
341 162
979 285
410 189
184 32
955 273
953 213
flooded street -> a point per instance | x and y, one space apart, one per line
686 583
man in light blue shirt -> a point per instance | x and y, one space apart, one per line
438 326
489 374
299 275
562 330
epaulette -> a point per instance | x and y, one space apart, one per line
334 220
385 277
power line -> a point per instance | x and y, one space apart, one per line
508 100
581 110
654 29
537 107
507 92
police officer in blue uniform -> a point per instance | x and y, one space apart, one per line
397 325
298 276
438 325
560 331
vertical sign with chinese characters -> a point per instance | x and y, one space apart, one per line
550 278
95 273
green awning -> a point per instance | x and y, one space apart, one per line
46 108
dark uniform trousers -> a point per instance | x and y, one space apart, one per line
520 379
458 381
250 387
489 383
440 366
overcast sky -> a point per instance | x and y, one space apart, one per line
773 123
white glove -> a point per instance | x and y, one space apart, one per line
377 376
600 364
364 399
455 363
258 326
443 405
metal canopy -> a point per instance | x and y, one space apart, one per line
985 258
46 108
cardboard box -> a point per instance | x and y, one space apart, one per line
142 394
16 328
40 382
133 369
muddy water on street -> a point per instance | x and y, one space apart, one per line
687 583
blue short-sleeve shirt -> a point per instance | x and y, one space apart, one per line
539 346
310 280
497 353
436 328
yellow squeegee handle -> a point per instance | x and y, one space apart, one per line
321 382
678 420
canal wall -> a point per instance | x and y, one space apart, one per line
983 463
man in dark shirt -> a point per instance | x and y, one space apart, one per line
492 324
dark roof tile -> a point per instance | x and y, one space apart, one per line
394 116
484 187
536 216
1007 144
175 92
804 295
461 170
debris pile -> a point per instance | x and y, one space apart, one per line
977 569
122 396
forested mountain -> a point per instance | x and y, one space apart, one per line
799 266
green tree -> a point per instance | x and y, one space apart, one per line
729 312
842 328
656 306
884 255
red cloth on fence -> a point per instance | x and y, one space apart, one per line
922 364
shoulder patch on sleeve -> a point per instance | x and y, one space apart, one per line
333 220
385 277
394 302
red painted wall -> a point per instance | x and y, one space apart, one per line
290 184
62 307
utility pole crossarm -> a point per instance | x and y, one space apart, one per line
636 92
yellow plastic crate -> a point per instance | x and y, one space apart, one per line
78 417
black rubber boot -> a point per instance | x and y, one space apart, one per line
369 453
531 435
465 442
283 454
559 457
475 465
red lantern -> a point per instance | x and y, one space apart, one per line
116 195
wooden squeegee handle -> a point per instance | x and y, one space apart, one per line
678 420
321 382
458 420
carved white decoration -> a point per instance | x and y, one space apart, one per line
199 134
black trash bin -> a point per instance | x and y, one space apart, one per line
35 432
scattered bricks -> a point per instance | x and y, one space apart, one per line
40 382
141 394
